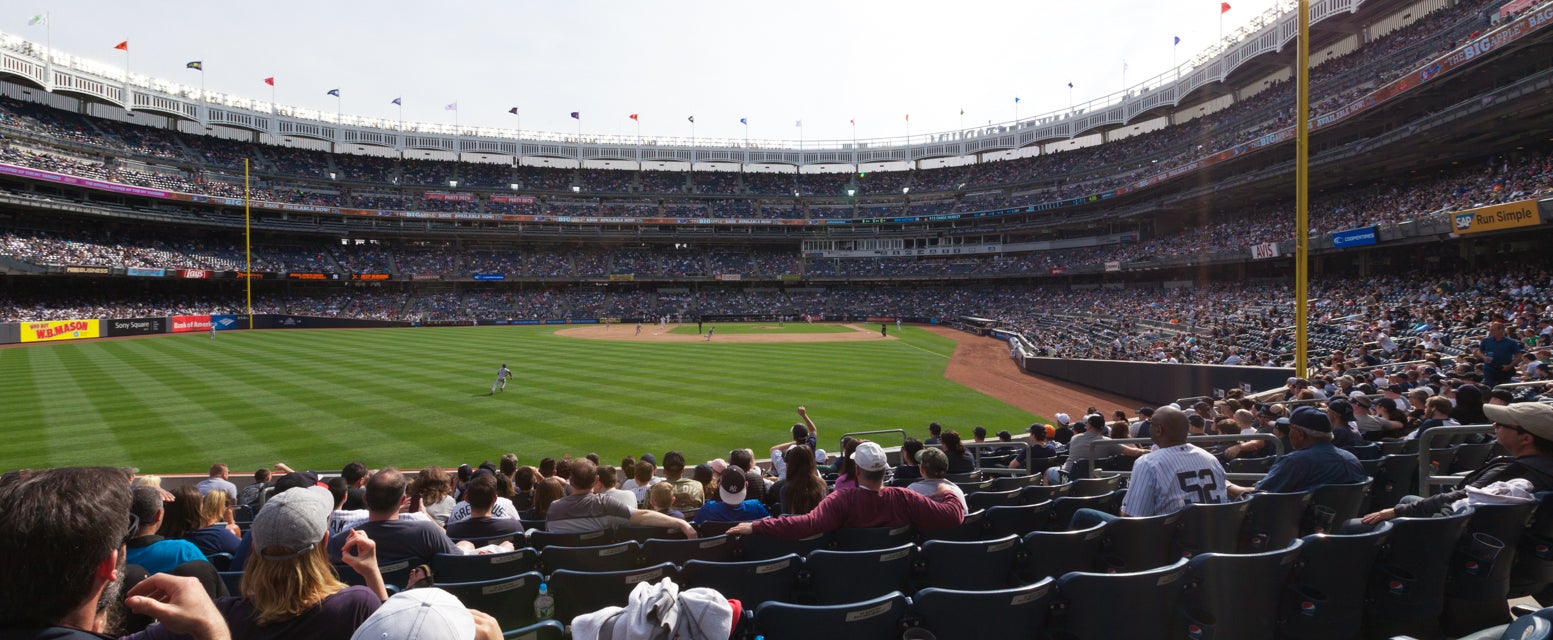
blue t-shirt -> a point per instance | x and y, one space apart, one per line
719 511
1500 353
162 555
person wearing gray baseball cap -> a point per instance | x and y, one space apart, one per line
1525 431
289 590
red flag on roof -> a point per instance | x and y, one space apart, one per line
269 81
633 117
1223 8
122 46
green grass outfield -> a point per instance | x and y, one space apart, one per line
764 328
411 397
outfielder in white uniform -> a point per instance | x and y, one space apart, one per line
501 379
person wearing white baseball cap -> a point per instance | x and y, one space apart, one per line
1525 430
870 504
427 614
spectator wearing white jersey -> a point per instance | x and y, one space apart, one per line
1167 478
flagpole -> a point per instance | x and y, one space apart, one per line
247 242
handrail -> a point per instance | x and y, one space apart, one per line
844 436
1426 479
1277 450
999 444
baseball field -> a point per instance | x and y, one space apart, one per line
412 397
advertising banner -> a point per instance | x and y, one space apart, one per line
450 197
140 272
1500 216
1361 237
134 326
622 277
514 199
1057 271
59 330
195 273
425 276
490 276
1113 266
729 277
88 269
370 276
253 275
1264 250
186 324
296 275
226 322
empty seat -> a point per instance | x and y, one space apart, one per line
1325 598
1479 579
952 614
1345 502
1396 477
1234 595
1138 544
981 565
713 549
1007 483
620 556
973 527
579 592
541 539
1018 520
1407 584
1055 553
1273 520
988 499
1063 508
751 582
1041 493
859 539
643 534
1533 570
510 600
454 567
1211 528
759 547
876 619
1136 606
1087 487
852 576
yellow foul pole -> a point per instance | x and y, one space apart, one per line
1302 193
247 244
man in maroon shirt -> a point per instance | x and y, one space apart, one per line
871 504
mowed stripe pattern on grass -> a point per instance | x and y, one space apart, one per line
411 397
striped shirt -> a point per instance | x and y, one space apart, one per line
1165 480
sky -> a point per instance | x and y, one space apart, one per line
772 63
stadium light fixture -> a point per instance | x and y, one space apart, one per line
513 186
452 184
331 176
851 192
905 190
576 189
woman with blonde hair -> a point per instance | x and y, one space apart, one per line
212 532
289 589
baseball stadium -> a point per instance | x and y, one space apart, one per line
1257 347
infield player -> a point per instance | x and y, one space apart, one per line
709 333
501 379
638 328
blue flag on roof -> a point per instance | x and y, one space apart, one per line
744 121
334 92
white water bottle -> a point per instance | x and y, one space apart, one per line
544 603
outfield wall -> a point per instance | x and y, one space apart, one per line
87 328
1158 383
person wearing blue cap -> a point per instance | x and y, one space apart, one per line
1314 462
